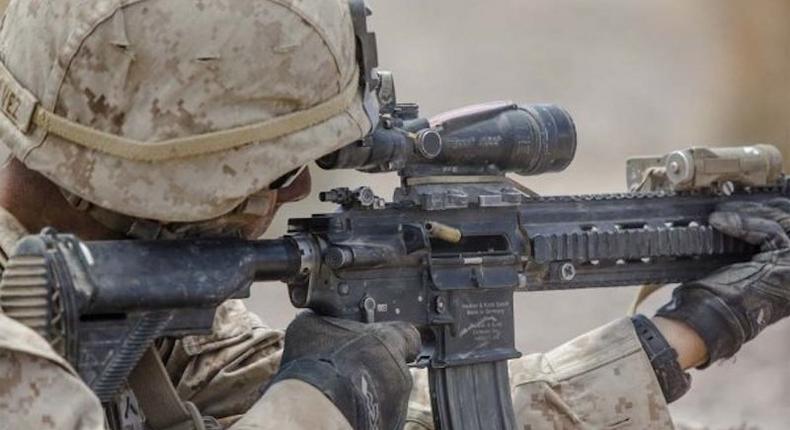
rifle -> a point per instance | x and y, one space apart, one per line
446 254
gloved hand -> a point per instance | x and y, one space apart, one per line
734 304
361 368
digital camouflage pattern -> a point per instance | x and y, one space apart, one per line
38 389
600 380
10 232
134 68
316 411
223 373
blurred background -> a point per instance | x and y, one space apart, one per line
639 78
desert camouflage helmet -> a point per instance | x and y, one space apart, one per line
177 110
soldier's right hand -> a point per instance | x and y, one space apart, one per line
361 368
734 304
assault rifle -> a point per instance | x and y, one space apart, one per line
446 254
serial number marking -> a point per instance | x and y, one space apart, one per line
488 325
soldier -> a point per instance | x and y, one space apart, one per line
126 119
258 89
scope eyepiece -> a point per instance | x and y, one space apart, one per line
487 139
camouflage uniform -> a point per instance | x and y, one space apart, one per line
94 100
33 378
600 380
38 389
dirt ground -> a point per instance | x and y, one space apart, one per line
639 78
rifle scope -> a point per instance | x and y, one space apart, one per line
487 139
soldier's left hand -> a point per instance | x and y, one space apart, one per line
734 304
360 367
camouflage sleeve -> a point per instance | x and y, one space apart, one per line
38 389
601 379
294 405
223 373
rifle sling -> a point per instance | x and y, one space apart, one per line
158 398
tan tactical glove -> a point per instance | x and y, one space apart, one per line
733 305
361 368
